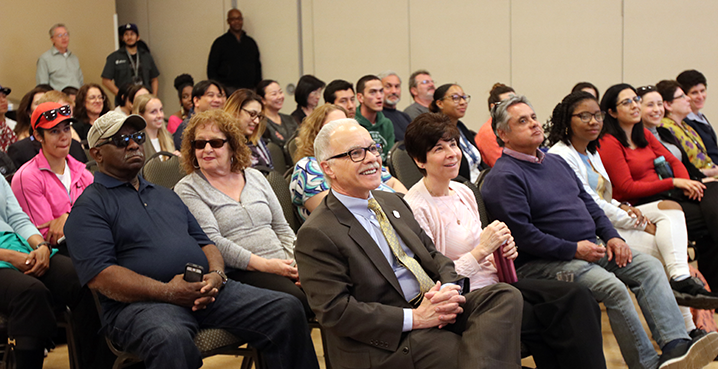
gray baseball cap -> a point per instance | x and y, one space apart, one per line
107 125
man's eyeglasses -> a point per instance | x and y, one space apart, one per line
586 116
216 143
425 82
627 102
359 154
51 114
254 114
123 141
457 98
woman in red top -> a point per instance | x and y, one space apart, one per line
628 152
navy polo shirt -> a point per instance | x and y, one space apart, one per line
149 231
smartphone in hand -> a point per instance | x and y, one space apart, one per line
193 272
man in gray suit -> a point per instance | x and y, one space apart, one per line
384 295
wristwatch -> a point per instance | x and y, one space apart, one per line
221 275
43 243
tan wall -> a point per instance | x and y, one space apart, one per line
540 48
24 37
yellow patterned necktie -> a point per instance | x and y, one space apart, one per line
425 283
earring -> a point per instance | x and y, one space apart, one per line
566 131
196 166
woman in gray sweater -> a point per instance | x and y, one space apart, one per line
235 205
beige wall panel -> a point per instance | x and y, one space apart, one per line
666 37
557 44
134 11
25 37
462 42
273 24
178 44
359 37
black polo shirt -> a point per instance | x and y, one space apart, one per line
149 231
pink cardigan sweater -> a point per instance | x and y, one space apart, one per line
41 194
434 221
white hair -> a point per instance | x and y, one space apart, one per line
322 149
388 73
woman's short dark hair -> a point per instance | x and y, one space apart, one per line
439 94
307 83
81 110
667 89
611 125
182 81
581 85
690 78
560 122
262 85
497 90
425 131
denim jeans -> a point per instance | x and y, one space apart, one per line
273 322
646 278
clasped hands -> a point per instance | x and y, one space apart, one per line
439 307
197 295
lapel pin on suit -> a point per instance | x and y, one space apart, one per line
396 214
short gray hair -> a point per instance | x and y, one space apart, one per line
388 73
412 78
322 149
500 116
56 26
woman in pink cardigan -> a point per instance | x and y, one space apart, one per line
48 185
448 213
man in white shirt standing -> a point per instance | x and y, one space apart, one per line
59 67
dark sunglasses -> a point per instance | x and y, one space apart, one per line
51 114
123 141
216 143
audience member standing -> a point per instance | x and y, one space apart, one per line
130 64
7 136
234 57
421 88
392 96
59 67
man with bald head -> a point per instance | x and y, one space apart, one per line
234 57
383 294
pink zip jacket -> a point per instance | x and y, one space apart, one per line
41 194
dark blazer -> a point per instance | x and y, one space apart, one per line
464 170
351 286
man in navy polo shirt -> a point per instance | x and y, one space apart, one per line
130 241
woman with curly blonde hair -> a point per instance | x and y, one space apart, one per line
235 205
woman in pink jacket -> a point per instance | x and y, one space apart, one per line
48 185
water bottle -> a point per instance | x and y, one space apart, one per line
663 168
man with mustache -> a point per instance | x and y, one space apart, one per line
130 64
392 96
131 240
560 228
421 88
383 294
370 94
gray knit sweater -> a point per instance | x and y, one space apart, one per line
254 225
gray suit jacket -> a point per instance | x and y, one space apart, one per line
351 286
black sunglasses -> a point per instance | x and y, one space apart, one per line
123 141
216 143
51 114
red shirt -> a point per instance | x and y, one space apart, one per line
631 170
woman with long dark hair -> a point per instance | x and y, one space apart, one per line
636 163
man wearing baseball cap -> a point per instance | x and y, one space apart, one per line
7 136
131 241
130 64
